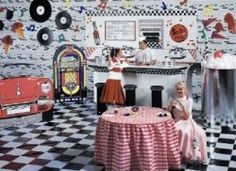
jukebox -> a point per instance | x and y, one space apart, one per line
69 73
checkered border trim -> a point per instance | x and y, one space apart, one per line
142 13
172 71
154 45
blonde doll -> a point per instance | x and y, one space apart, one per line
192 137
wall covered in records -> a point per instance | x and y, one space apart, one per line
32 30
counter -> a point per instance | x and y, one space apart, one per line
144 77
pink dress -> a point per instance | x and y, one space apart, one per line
192 138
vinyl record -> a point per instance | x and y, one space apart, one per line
45 36
63 20
40 10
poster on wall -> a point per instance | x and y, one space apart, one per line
180 32
120 30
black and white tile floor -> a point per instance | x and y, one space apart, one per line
67 143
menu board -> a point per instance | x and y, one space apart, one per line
120 30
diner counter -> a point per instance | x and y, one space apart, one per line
151 69
144 77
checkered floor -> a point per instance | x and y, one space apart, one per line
67 143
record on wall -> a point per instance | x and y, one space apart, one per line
40 10
45 36
63 20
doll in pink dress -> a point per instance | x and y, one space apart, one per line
192 137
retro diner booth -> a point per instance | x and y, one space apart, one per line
134 138
141 135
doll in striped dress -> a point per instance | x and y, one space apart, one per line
112 93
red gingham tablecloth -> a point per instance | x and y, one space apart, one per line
143 141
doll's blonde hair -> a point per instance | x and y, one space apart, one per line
184 84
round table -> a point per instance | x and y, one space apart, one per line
142 141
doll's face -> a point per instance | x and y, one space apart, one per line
181 90
142 45
120 54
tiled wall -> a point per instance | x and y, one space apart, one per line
39 58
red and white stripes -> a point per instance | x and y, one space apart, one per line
139 147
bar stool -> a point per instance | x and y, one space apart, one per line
130 94
101 107
84 91
157 95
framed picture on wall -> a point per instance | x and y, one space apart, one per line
120 30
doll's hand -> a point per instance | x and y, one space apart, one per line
175 102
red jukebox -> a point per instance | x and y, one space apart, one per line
69 73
